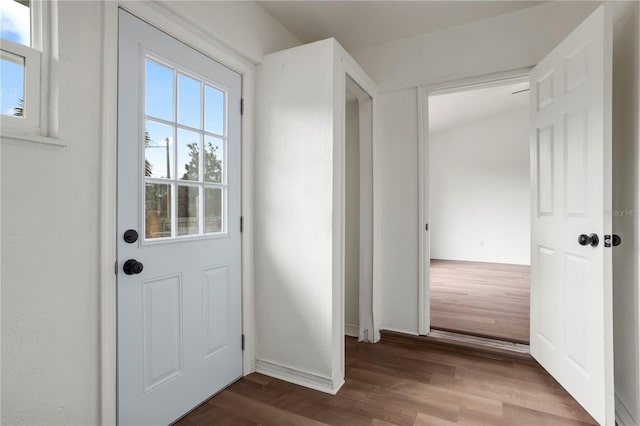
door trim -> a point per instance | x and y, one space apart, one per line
169 20
422 97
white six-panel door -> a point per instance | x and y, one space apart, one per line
179 306
571 293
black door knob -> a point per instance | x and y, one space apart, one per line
132 266
130 236
588 240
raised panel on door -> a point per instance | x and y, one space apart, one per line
215 300
162 330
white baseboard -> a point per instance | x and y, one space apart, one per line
413 333
623 416
302 378
352 330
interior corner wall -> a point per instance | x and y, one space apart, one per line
50 226
479 192
626 208
244 26
506 42
294 200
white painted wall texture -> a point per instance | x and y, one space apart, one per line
51 221
479 190
294 200
505 42
300 205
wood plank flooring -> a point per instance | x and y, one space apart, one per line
485 299
400 383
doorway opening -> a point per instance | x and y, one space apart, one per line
358 228
479 208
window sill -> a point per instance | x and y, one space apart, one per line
28 137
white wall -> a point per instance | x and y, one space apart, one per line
352 219
499 44
294 197
242 25
510 41
300 201
479 190
626 211
51 222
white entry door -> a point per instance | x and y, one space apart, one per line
179 295
571 273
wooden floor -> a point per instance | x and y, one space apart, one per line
392 383
486 299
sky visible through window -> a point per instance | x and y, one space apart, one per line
15 26
160 103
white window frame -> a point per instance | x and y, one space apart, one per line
175 182
39 123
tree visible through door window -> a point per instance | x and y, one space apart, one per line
184 145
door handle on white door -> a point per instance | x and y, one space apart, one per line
589 240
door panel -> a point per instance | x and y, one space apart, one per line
571 294
179 317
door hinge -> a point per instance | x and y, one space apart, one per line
426 227
243 342
241 106
115 269
241 222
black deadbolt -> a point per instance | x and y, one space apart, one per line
612 240
588 240
131 236
616 240
132 266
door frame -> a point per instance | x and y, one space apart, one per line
167 18
424 241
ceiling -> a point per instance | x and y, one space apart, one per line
361 24
453 109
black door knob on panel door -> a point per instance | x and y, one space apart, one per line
589 240
132 267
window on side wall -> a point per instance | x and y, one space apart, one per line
25 48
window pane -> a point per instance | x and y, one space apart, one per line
212 210
15 21
157 210
159 91
158 150
213 159
188 101
188 155
214 110
188 201
12 86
